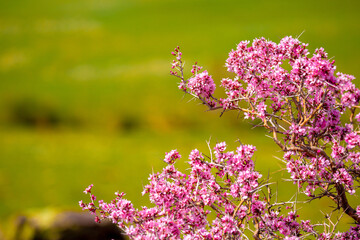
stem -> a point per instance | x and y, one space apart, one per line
344 204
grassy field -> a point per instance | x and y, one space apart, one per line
86 96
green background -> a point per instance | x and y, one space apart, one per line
86 96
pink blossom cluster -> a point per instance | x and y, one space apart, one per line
309 99
171 156
225 185
202 85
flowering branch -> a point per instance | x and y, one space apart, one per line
303 108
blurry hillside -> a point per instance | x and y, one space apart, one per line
86 96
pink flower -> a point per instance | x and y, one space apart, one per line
171 156
88 189
352 139
343 177
220 147
261 108
202 85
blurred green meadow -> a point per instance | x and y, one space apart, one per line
86 96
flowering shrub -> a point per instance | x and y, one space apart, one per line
304 109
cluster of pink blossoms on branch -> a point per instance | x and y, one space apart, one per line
303 103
